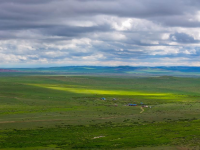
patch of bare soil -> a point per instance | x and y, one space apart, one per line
108 118
142 110
98 137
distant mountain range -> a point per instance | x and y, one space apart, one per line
8 70
128 70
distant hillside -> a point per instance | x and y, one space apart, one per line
138 71
8 70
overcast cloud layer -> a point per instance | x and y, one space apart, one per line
36 33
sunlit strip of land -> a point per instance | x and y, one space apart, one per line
104 92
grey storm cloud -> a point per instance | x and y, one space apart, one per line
34 10
183 38
89 31
75 31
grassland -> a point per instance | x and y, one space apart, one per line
66 112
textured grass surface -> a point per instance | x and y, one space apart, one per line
107 135
66 112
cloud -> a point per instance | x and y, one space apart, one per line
100 32
183 38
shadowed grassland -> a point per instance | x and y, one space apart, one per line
107 135
66 112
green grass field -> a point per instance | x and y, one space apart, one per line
66 112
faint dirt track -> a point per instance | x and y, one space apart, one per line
142 110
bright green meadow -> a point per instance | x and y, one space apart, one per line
66 112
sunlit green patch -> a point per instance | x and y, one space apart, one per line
108 92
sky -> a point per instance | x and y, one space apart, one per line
44 33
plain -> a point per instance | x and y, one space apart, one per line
67 112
